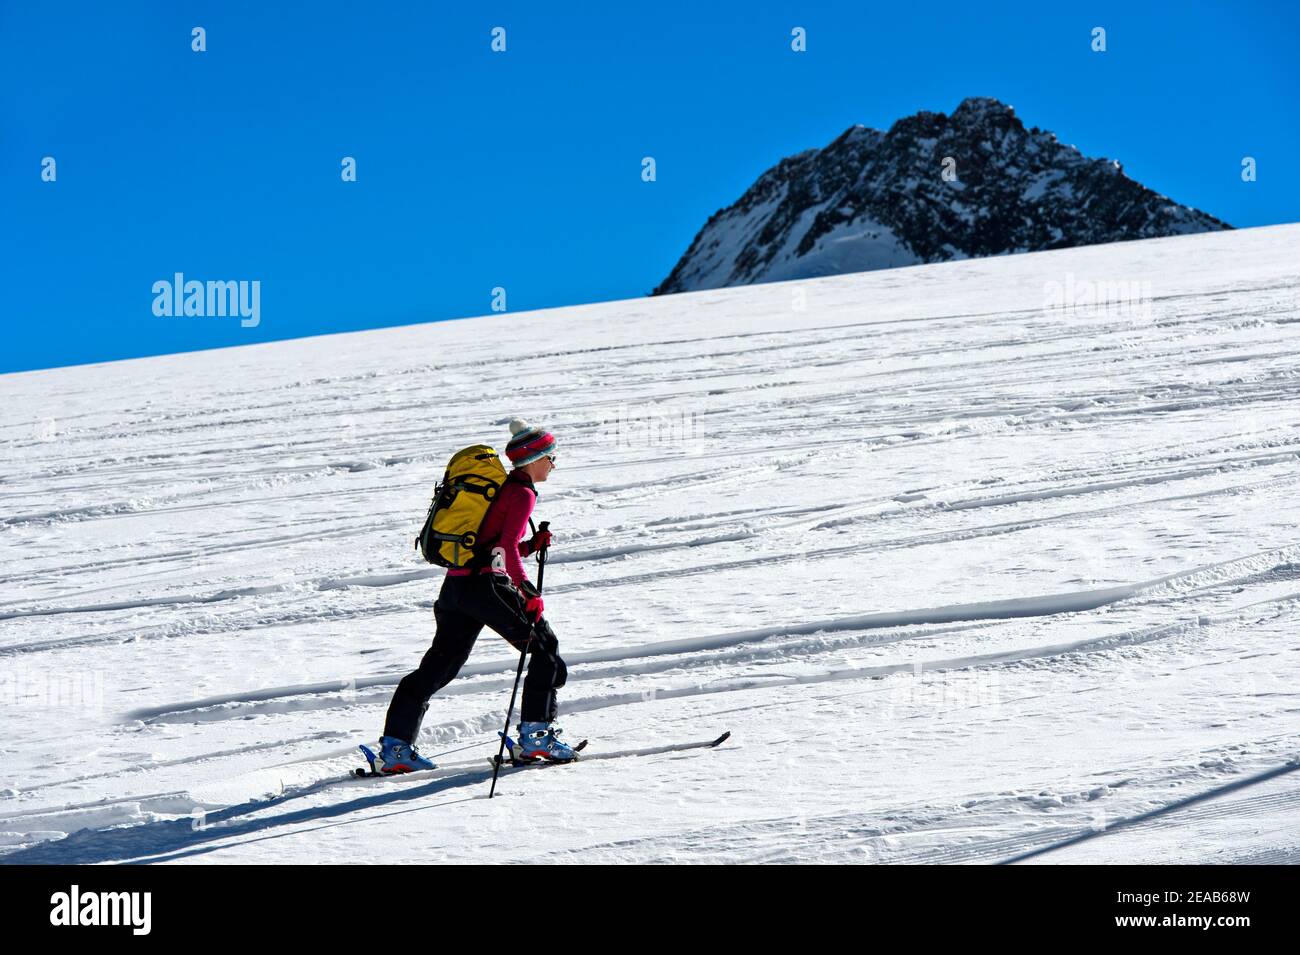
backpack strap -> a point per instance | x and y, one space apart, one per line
483 556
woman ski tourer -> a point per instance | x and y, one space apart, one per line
491 590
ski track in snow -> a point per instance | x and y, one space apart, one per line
963 577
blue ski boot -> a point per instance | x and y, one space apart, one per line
398 756
541 741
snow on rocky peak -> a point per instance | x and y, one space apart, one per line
934 187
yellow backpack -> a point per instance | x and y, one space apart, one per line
460 502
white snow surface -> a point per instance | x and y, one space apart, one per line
964 576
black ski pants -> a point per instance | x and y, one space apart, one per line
464 606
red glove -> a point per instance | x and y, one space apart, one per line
533 605
538 541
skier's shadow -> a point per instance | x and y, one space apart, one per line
178 838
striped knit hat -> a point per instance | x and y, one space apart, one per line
529 444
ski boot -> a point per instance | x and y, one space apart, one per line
398 756
541 741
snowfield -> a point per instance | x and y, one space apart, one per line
963 575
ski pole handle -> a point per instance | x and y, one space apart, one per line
541 556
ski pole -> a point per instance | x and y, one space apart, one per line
541 557
510 711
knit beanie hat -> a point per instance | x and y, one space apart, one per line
529 444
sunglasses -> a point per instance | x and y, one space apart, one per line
551 458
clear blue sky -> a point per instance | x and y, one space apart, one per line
522 169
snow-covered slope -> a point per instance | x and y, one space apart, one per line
963 575
933 188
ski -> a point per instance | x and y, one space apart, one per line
509 764
648 751
372 773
